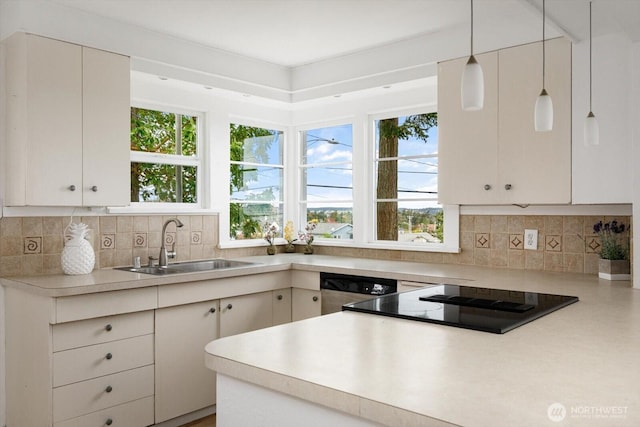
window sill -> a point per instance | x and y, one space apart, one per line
392 246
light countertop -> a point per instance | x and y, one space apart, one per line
400 372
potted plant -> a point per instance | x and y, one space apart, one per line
306 236
270 232
289 236
614 250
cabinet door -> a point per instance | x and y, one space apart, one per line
305 303
53 125
106 126
537 165
467 140
183 383
245 313
281 306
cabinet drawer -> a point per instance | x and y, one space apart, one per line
79 307
132 414
100 393
101 330
84 363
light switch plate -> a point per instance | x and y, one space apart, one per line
531 239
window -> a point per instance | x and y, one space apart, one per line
256 181
406 180
327 183
165 163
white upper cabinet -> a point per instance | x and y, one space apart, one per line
68 124
494 155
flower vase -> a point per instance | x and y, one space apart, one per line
271 250
290 248
308 249
78 256
618 269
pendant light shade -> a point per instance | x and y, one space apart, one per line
591 128
543 114
472 80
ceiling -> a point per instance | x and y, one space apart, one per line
295 33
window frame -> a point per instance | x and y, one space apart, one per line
300 189
199 161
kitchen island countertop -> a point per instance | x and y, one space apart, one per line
399 372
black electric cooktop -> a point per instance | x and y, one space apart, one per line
482 309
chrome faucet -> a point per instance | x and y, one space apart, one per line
164 255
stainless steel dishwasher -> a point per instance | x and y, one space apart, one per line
339 289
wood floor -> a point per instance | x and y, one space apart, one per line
209 421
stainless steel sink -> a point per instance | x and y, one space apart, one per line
190 267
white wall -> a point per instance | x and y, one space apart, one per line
601 174
635 155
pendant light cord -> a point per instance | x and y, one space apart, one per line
544 14
590 63
471 27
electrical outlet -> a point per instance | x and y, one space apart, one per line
531 239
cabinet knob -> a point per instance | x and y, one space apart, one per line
94 188
109 422
109 356
507 187
108 327
109 389
212 310
279 297
487 187
72 188
315 298
229 306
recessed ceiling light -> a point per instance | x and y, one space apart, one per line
163 78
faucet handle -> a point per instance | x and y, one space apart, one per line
151 260
172 253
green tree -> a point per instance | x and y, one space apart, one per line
163 133
390 132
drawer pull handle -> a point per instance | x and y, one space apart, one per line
212 310
507 187
279 297
108 327
109 389
72 188
229 306
109 356
315 298
94 188
109 422
487 187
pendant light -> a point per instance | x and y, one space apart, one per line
472 80
591 128
543 116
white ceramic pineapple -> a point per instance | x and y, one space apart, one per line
78 256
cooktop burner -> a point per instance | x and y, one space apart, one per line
483 309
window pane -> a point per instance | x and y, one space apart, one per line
158 183
328 183
156 132
256 145
407 135
327 180
417 222
256 183
335 222
247 220
416 178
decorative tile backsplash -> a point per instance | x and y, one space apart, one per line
33 245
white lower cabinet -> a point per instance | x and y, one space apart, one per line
306 303
134 357
183 383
